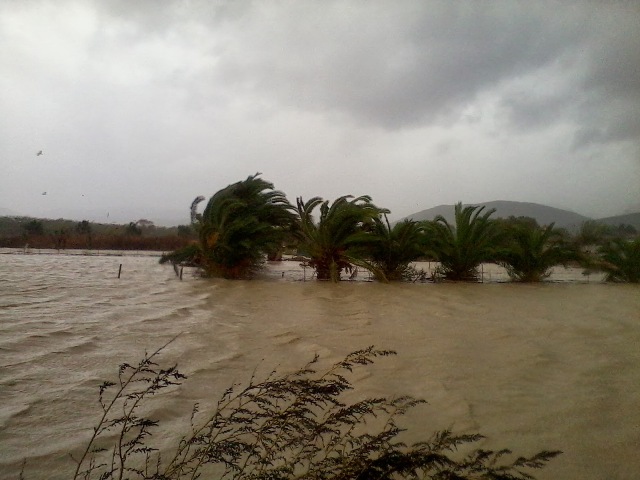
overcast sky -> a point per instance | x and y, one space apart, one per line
140 106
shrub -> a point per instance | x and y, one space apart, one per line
294 425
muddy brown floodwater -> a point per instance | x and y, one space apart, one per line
549 366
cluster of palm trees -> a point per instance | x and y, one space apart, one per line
249 220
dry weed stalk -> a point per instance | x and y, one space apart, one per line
286 426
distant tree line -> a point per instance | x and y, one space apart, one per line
248 221
18 232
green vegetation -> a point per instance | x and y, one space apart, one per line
462 247
531 251
592 233
133 229
296 425
240 225
248 221
334 242
620 260
392 249
34 227
16 232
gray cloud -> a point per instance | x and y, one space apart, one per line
399 70
149 104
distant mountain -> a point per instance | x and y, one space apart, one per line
543 214
628 219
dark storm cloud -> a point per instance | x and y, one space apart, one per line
420 63
156 102
601 94
398 68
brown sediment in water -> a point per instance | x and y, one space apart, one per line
552 366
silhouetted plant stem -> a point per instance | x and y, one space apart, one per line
295 425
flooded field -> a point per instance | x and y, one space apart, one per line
550 366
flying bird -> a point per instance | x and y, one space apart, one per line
44 193
39 153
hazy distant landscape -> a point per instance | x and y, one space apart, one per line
146 235
254 184
543 214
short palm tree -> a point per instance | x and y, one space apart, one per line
620 260
391 249
531 251
460 248
332 242
240 224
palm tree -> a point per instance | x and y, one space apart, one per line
332 241
620 260
239 225
592 233
460 248
392 249
530 252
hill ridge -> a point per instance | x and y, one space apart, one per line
544 214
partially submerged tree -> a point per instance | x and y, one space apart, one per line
461 247
298 425
531 251
332 242
392 249
620 260
240 224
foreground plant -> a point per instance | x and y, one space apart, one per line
295 425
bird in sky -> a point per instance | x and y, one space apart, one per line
39 153
44 193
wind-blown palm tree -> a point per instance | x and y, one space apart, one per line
331 242
392 249
239 225
531 251
620 260
460 248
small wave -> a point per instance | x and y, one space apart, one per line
34 349
286 338
12 411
